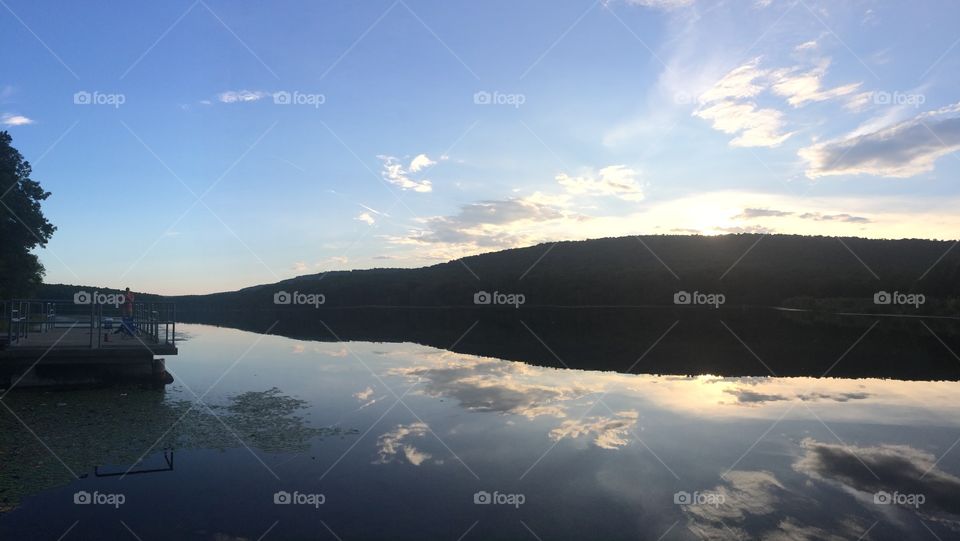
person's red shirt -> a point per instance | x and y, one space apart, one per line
128 303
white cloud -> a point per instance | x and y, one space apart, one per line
482 384
486 225
300 266
901 150
729 106
615 180
9 119
390 446
364 395
859 101
242 96
662 4
366 218
739 83
608 432
802 87
394 173
753 126
421 161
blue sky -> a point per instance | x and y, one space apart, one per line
419 131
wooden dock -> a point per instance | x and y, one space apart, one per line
58 343
62 342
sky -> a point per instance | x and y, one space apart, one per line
194 146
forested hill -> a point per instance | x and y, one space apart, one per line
747 269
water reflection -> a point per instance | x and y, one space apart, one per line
602 455
728 342
84 430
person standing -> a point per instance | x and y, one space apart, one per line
128 298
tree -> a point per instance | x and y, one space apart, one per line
23 226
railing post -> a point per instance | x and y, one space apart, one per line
93 308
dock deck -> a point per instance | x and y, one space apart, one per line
54 342
74 341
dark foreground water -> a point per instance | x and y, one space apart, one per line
265 437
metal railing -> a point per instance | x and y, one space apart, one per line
151 322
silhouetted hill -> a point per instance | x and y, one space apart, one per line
786 270
600 304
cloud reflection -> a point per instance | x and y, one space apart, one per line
390 446
608 432
890 468
751 495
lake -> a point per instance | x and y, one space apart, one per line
271 437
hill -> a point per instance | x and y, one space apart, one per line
746 269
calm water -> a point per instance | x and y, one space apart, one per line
398 441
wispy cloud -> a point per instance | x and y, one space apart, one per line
902 150
10 119
395 173
751 213
242 96
607 432
489 223
366 218
800 86
748 214
421 161
661 4
391 445
614 180
729 105
834 218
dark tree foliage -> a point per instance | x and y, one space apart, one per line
23 226
828 273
